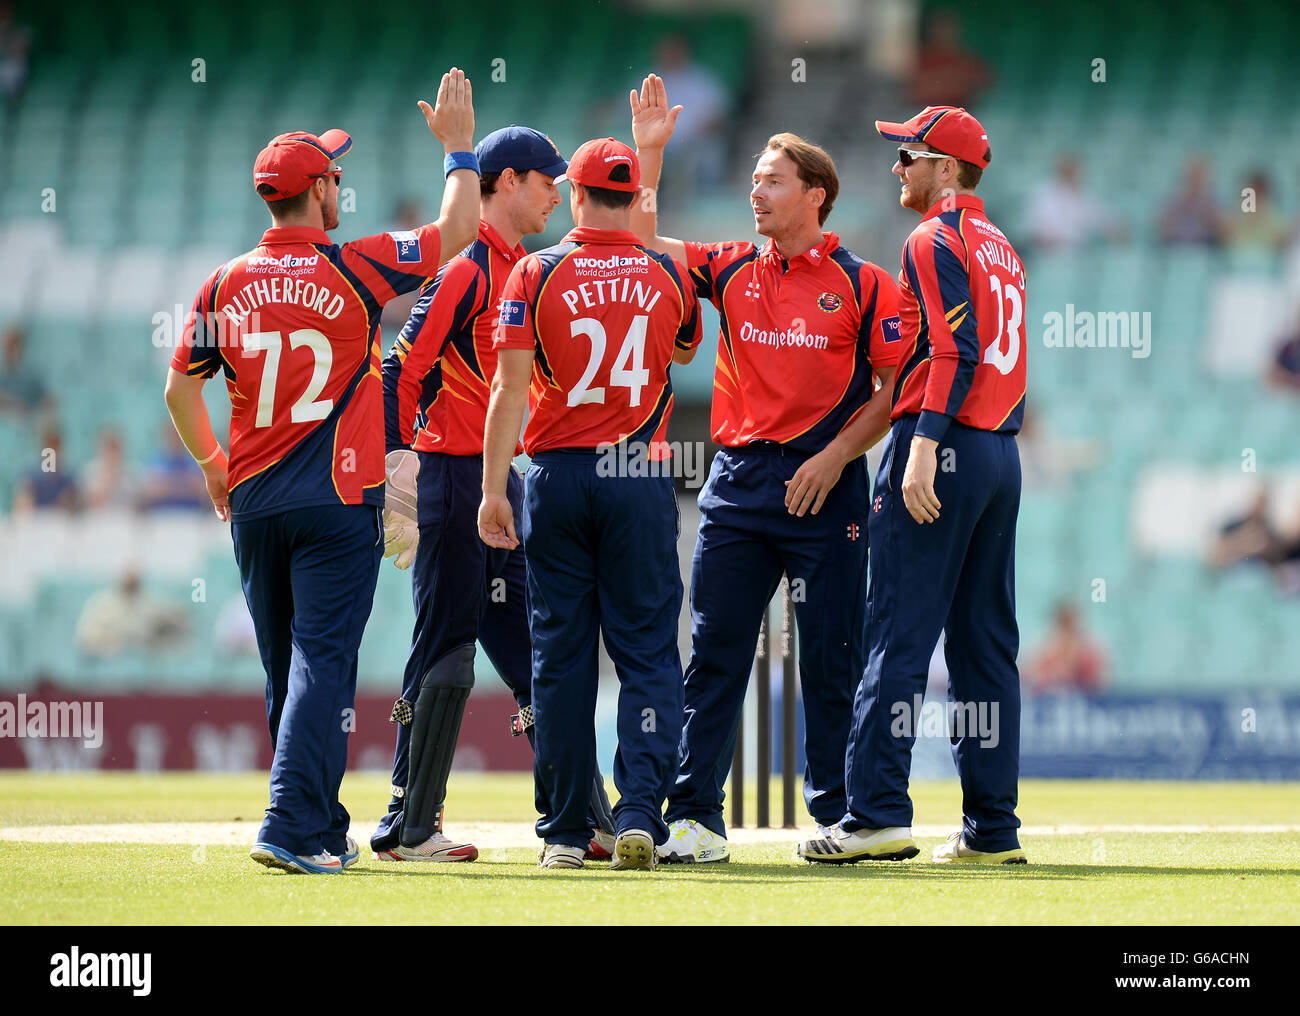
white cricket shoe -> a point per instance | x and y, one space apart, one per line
689 842
437 847
839 846
634 850
955 851
351 854
560 855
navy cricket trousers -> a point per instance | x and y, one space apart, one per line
464 591
602 557
747 539
309 578
956 575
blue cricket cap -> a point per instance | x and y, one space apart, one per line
519 148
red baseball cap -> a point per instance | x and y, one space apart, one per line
947 129
291 161
593 163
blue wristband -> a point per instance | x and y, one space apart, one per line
459 160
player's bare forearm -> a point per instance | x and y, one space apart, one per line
452 123
813 481
189 413
458 222
184 395
505 416
872 423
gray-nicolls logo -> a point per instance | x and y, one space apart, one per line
75 969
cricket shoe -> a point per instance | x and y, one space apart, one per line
601 847
839 846
351 854
437 847
955 851
560 855
689 842
634 850
272 856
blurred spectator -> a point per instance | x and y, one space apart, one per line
172 480
234 634
1284 371
696 156
50 486
123 618
15 41
106 482
1063 215
407 214
21 388
1249 538
1047 461
1262 231
948 74
1192 216
1253 538
1069 659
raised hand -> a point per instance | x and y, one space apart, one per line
652 119
452 119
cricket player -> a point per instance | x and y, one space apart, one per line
435 401
807 329
595 322
943 525
294 324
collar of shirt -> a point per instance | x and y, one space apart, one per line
585 234
771 257
953 203
294 234
493 239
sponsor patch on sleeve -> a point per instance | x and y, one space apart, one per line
889 329
512 313
408 246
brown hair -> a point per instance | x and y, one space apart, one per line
816 167
968 174
285 206
607 197
487 182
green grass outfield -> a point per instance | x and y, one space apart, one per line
1206 853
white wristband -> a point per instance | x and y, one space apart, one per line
215 452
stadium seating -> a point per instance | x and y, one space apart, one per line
149 202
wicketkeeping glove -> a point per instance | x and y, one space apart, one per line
401 517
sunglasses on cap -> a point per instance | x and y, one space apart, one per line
336 173
906 156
